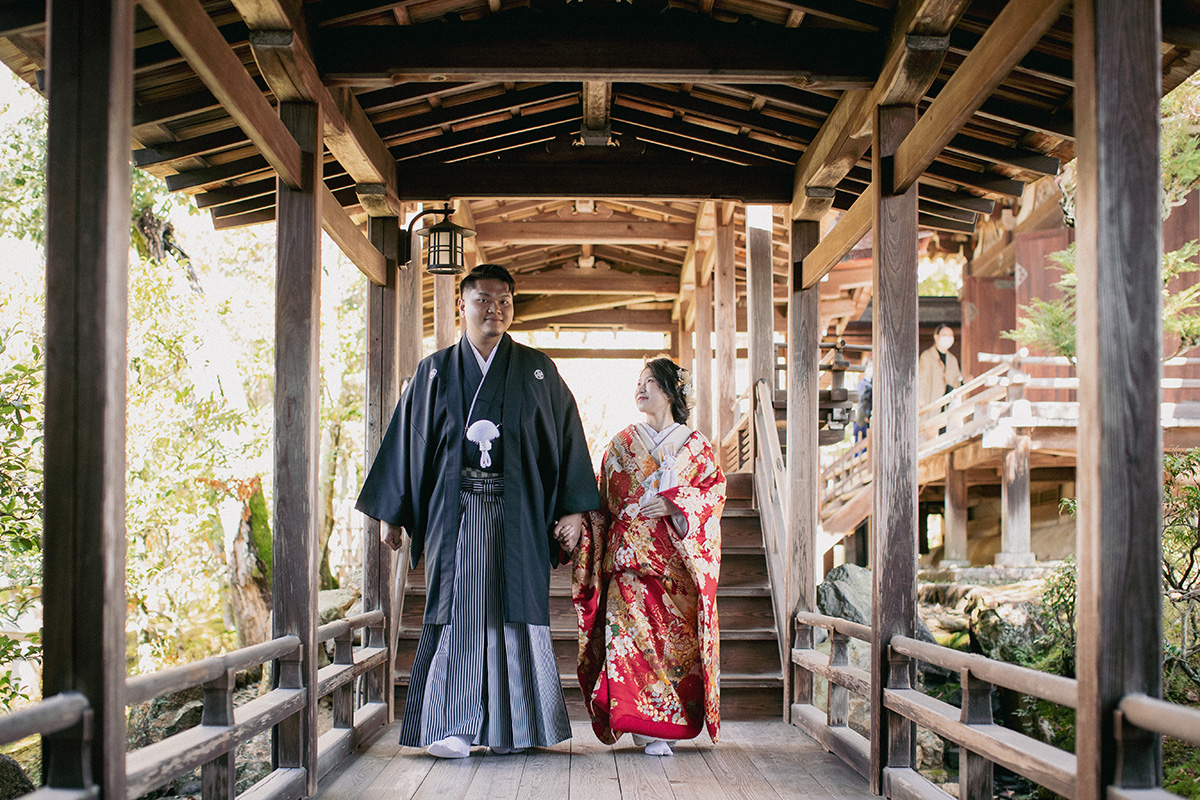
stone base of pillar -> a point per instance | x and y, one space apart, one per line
953 563
1015 560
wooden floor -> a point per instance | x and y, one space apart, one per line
754 761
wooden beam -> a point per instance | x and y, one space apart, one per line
848 232
87 252
1119 465
803 453
624 319
770 185
297 446
445 311
725 324
574 304
759 306
382 387
954 552
573 280
650 233
910 64
597 97
346 234
280 41
191 30
703 356
1015 30
598 44
475 251
894 443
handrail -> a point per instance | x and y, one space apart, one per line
1159 716
769 485
1055 688
341 627
141 688
855 630
960 392
54 714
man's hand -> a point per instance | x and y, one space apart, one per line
391 536
567 531
658 507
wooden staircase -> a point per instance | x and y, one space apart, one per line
751 674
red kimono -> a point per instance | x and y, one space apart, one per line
645 589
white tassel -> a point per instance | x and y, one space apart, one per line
483 432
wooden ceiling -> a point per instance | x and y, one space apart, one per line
594 144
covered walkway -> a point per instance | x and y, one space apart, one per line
754 761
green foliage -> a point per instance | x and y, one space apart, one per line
1048 326
260 533
20 505
1181 768
23 175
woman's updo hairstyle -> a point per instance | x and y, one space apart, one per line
676 383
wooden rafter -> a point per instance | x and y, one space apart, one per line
1015 30
193 33
574 280
848 232
617 46
544 307
585 232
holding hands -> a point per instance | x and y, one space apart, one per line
567 531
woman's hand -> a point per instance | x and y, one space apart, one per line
567 531
658 507
393 537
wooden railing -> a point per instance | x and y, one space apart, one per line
983 744
61 712
210 746
770 476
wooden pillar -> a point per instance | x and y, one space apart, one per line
379 561
760 306
683 335
725 325
1119 331
894 441
704 355
445 312
800 508
1015 547
297 432
87 249
954 539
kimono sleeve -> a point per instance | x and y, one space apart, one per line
576 478
391 491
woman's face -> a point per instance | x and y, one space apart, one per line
650 398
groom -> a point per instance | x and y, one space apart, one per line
484 461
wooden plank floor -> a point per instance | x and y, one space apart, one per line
754 761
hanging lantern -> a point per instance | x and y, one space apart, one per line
444 248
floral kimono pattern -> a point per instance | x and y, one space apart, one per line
645 589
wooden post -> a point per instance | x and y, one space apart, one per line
760 306
725 325
218 778
87 249
683 335
800 508
379 561
954 539
704 356
297 443
445 311
838 713
1015 547
894 442
975 773
1119 331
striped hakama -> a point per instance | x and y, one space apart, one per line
478 676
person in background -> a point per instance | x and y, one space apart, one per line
862 410
645 576
484 456
937 368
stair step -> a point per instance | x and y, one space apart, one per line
739 485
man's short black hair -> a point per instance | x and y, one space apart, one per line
487 272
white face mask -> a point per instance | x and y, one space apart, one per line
944 343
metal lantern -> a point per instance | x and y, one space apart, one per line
444 248
444 252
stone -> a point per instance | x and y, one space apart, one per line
13 780
846 593
332 604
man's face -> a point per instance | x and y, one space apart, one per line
487 309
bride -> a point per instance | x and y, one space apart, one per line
645 575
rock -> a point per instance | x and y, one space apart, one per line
332 604
930 749
846 593
13 780
1000 617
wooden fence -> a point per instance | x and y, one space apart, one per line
211 745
